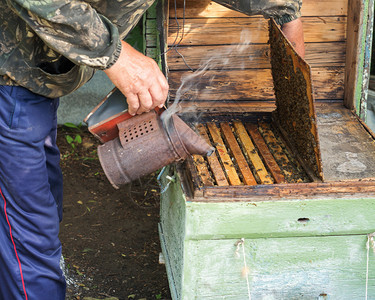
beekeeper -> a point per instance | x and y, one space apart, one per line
48 49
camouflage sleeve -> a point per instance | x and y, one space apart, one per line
283 11
72 28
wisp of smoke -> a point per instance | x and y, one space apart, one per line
202 81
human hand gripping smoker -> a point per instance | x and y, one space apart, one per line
139 78
139 140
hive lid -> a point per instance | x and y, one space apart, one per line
295 110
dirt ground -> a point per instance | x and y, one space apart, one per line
110 238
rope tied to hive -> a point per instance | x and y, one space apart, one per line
240 244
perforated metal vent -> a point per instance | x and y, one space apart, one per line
138 131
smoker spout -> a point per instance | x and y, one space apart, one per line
193 143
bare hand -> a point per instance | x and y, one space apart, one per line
294 32
139 78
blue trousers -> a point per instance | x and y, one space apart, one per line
30 197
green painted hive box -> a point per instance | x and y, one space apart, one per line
284 208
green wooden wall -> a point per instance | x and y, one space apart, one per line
292 249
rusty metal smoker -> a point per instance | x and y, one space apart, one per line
146 143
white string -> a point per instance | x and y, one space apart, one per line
369 244
170 180
246 269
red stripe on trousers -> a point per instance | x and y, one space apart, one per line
14 245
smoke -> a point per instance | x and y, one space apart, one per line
202 81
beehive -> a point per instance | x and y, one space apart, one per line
255 220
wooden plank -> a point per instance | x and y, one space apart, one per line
355 22
252 84
215 31
207 8
226 106
234 106
202 170
366 59
281 218
269 160
316 267
236 151
348 150
152 52
290 169
251 56
251 152
171 231
213 161
291 191
223 154
360 28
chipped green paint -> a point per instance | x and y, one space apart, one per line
284 268
294 249
288 218
361 85
172 230
152 33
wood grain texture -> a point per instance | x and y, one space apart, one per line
171 231
244 106
269 160
281 218
288 191
207 8
226 160
224 57
251 84
252 153
353 50
236 152
227 106
238 53
284 268
213 161
348 150
215 31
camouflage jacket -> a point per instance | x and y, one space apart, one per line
52 47
283 11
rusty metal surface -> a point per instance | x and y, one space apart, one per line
112 110
144 145
295 111
103 119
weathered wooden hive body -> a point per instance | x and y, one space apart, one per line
285 207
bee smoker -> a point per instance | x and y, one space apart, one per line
136 146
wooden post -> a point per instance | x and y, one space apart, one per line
357 62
